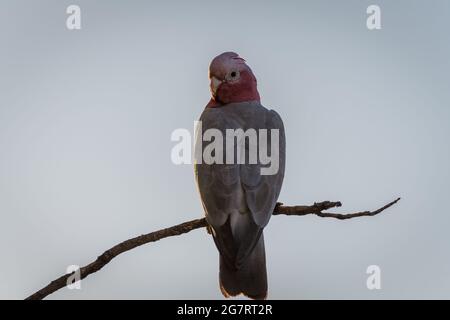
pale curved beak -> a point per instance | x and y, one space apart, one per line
215 83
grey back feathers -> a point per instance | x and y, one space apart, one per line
238 200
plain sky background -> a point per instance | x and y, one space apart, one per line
86 118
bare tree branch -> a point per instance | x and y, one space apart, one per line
186 227
317 209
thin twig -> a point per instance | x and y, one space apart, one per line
186 227
317 209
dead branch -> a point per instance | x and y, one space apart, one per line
108 255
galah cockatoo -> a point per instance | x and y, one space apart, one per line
238 200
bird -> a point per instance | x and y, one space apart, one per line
237 199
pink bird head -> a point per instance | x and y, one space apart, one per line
232 80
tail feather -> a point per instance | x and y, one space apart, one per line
250 278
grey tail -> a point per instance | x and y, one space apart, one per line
250 278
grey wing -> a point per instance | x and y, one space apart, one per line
220 192
218 184
262 191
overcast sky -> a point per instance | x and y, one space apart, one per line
86 118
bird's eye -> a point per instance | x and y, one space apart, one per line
233 75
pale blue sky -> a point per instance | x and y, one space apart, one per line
86 118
